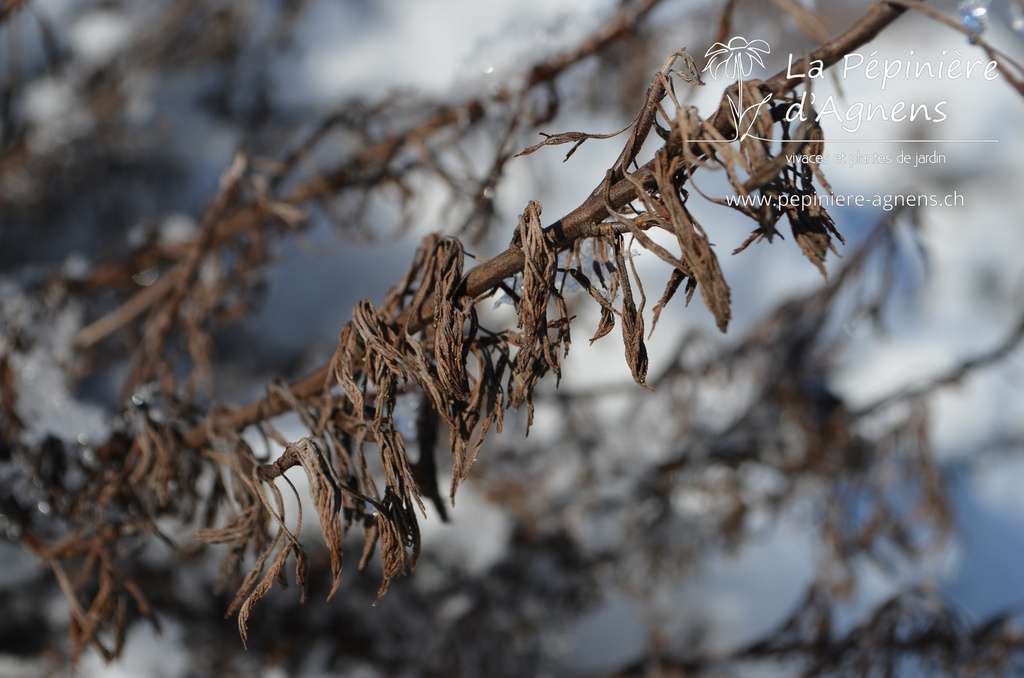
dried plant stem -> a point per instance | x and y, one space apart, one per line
584 221
378 154
370 162
123 315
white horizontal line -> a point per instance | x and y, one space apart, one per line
894 141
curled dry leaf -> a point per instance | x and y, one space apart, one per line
632 323
538 351
325 491
608 312
696 262
575 138
787 177
674 281
283 545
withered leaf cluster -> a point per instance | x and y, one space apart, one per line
427 347
423 344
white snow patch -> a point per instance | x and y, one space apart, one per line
178 228
55 112
370 50
97 36
477 535
147 652
44 401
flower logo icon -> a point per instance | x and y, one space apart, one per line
736 61
737 58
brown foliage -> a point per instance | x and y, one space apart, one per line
425 342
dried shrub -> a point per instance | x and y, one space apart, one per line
177 458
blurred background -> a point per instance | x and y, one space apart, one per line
831 486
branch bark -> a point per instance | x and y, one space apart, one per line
584 221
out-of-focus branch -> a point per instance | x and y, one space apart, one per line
369 164
1002 60
952 376
878 16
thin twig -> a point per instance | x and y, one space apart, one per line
950 377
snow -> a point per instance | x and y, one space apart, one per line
18 667
53 110
348 48
44 402
612 635
964 303
98 36
178 228
475 538
147 653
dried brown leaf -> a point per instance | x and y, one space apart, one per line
325 491
606 325
698 258
674 281
452 310
283 545
813 237
575 138
608 312
632 323
538 351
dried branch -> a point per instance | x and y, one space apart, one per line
424 343
585 221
